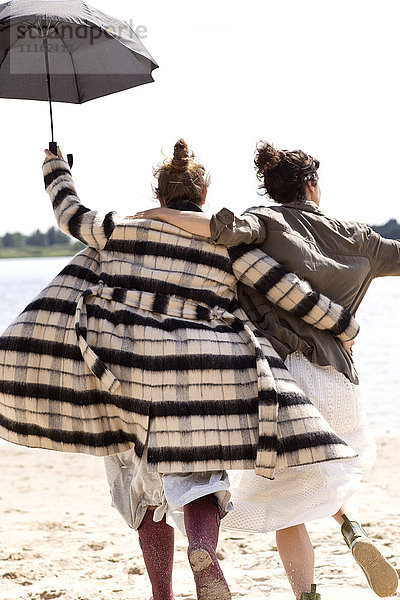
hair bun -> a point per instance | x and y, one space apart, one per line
181 156
283 173
267 158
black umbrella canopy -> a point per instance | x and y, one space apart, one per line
86 53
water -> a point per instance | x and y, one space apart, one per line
21 279
377 350
377 353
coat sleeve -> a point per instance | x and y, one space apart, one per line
229 230
88 226
256 269
383 254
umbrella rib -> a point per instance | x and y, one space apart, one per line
51 27
13 44
32 27
73 67
5 56
8 51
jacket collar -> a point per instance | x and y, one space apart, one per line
306 206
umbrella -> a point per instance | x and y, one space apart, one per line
67 51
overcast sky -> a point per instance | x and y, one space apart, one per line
320 76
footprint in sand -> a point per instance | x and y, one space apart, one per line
96 546
135 571
10 576
257 575
115 558
52 526
18 578
51 594
13 556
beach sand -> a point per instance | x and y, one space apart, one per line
59 537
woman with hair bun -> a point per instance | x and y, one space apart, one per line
139 352
340 259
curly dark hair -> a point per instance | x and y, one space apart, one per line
283 174
181 178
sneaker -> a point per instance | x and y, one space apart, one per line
210 582
311 595
381 575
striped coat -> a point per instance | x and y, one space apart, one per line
140 340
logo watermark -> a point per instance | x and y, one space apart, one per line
55 31
52 37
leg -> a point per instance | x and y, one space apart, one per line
202 528
350 509
297 555
157 542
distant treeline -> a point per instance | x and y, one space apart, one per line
52 237
51 243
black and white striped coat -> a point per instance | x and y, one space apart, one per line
140 339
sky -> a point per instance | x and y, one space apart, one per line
320 76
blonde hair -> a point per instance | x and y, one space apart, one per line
181 177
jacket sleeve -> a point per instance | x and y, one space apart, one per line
256 269
88 226
229 230
383 254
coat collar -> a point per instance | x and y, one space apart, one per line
185 205
305 205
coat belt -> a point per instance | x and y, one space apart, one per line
168 305
174 306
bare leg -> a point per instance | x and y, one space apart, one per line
350 509
157 542
297 555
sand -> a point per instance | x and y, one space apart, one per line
59 537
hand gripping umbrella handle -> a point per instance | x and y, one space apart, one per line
53 150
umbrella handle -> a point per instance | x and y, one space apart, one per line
53 150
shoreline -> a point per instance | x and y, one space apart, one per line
40 252
59 537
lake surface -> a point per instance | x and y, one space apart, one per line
377 350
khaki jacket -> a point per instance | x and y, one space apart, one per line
338 258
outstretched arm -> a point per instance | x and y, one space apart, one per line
384 254
86 225
224 228
196 223
256 269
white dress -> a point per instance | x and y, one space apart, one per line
302 494
296 495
